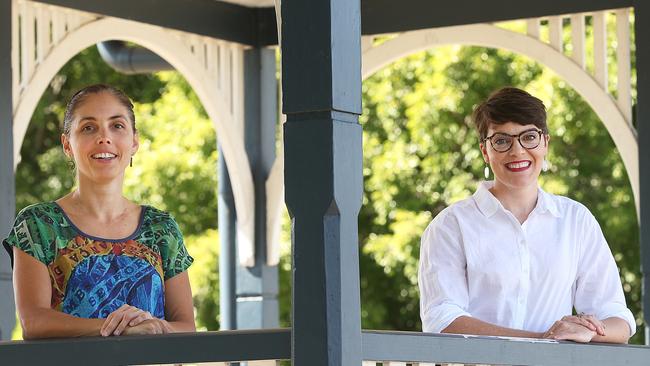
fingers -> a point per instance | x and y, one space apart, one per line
112 321
149 326
600 326
570 330
142 316
581 321
588 321
124 316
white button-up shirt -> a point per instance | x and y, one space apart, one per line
477 260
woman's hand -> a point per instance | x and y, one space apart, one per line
564 330
122 318
150 326
588 321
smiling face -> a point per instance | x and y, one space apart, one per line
517 168
101 139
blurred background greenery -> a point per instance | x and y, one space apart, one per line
420 155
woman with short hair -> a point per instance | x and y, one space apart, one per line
513 260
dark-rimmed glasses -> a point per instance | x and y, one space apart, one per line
502 142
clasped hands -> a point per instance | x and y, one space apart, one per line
578 328
129 320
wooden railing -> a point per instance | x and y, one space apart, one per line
266 347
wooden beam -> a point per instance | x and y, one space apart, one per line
389 16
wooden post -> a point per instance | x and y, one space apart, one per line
7 179
321 79
641 30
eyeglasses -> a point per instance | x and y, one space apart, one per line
502 142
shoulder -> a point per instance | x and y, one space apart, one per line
569 208
156 219
39 210
448 220
169 240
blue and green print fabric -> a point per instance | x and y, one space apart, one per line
92 277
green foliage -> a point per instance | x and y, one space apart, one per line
204 278
175 166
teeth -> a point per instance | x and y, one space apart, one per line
104 156
523 164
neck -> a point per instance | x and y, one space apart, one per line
519 201
102 201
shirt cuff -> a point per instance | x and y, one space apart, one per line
440 316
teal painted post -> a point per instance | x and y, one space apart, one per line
228 249
642 117
257 286
321 76
7 179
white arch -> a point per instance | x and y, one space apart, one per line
170 47
485 35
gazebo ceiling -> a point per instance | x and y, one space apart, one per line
253 22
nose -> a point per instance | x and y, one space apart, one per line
104 138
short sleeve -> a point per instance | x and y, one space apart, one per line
442 276
27 234
175 257
598 288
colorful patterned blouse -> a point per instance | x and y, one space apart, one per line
91 277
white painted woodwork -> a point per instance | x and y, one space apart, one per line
555 32
487 35
623 79
532 27
274 210
578 39
600 48
263 363
393 363
368 363
72 31
366 43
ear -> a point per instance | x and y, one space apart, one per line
65 142
486 158
547 138
136 143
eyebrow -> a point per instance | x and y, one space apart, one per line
91 118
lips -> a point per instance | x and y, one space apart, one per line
518 166
104 156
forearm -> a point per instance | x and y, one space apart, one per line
617 330
181 326
469 325
49 323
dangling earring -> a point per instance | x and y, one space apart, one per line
545 165
131 162
71 164
486 171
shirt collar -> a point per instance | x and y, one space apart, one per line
488 204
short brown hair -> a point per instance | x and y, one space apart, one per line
510 104
80 96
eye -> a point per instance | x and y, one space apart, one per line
500 140
530 136
87 128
